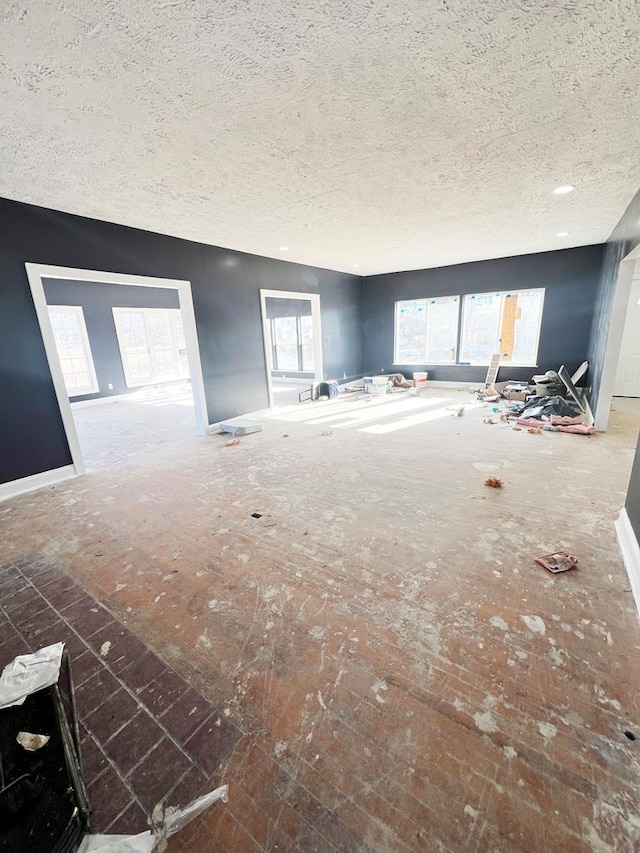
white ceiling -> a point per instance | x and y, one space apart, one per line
386 133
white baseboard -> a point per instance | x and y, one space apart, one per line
630 549
99 401
36 481
441 383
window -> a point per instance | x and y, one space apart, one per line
291 340
152 345
507 322
74 352
286 340
427 330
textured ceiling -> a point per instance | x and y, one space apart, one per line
386 133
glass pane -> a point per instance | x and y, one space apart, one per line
132 336
481 327
306 332
442 330
72 351
411 331
527 326
286 332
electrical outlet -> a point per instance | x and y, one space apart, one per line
110 386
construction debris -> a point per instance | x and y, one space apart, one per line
494 482
559 561
233 442
32 742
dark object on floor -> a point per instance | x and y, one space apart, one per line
560 561
494 482
329 389
45 807
256 515
537 407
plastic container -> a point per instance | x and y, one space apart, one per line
379 385
420 379
368 384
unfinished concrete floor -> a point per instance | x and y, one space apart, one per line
403 674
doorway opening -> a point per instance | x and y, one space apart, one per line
627 379
620 365
113 337
292 343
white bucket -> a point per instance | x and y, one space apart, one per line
379 385
420 379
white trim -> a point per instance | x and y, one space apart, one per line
36 481
630 550
98 401
35 274
314 298
442 383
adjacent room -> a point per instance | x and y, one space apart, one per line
123 348
320 387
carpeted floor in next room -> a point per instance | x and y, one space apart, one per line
341 621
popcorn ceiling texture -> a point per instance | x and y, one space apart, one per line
387 133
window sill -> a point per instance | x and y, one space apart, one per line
503 366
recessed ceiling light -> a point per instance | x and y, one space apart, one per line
562 234
563 190
284 248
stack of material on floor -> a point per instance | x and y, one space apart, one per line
516 391
555 414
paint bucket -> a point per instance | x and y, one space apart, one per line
368 384
379 385
420 380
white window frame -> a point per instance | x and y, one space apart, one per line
502 294
427 300
78 311
118 312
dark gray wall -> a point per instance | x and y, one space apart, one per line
97 302
569 276
225 288
632 503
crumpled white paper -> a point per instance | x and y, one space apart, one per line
28 673
142 843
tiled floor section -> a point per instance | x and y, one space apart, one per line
146 734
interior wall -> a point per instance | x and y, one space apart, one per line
226 294
570 278
97 302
